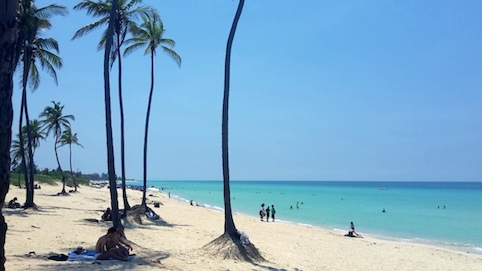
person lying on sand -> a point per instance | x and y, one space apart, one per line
102 251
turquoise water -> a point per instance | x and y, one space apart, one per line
414 210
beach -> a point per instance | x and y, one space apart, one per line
175 242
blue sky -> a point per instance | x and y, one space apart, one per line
320 90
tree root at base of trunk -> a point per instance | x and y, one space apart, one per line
230 247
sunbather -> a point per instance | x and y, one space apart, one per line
107 215
102 251
13 203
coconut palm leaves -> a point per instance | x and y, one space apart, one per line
150 34
123 17
55 122
68 138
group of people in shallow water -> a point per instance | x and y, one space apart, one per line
266 212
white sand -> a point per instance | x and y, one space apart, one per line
176 241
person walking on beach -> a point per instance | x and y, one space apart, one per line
273 211
261 212
267 214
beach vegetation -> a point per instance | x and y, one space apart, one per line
229 244
33 49
150 35
52 178
55 122
68 138
124 20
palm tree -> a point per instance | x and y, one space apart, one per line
108 118
124 20
36 133
32 22
18 153
17 150
54 121
68 138
9 55
231 236
150 35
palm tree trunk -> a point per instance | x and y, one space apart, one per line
121 106
108 119
71 173
229 226
29 185
22 144
147 130
30 191
60 168
8 61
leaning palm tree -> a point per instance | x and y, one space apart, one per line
230 242
9 55
124 20
54 121
32 22
68 138
150 34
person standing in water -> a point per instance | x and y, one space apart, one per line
261 212
273 211
267 214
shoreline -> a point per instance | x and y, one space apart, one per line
176 241
420 241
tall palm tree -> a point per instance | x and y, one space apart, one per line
33 21
108 119
229 227
9 55
150 34
68 138
231 236
124 20
54 121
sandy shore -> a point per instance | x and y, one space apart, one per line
175 242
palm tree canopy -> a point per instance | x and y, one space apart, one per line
36 132
150 34
125 20
68 138
32 22
54 121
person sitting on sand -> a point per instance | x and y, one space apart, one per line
107 216
121 242
13 203
105 247
351 231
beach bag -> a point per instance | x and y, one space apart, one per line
59 257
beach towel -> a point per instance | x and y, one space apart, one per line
87 256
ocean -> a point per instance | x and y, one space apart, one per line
443 214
